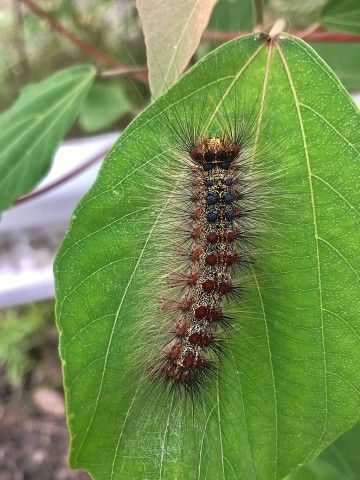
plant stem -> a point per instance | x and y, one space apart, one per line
65 178
20 40
314 36
86 47
323 36
124 71
258 15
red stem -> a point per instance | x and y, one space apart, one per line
86 47
322 36
68 176
125 71
315 36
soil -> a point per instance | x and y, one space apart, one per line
33 447
33 434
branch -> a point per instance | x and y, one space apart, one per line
86 47
315 36
139 71
65 178
323 36
258 14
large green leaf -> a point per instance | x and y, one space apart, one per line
290 384
32 128
343 15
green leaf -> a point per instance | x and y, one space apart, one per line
341 15
172 31
32 128
340 461
227 15
105 104
231 15
344 60
289 386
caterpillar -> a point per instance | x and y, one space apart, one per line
215 230
208 198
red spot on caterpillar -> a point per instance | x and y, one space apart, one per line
212 237
181 329
188 360
214 315
211 259
203 339
175 352
208 286
228 259
194 277
230 236
225 287
196 253
198 213
186 303
198 362
201 311
196 233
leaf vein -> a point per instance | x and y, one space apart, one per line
316 239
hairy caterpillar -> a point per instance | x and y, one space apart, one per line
215 227
205 235
210 220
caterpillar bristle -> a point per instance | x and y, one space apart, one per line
192 380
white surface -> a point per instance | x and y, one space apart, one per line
30 232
